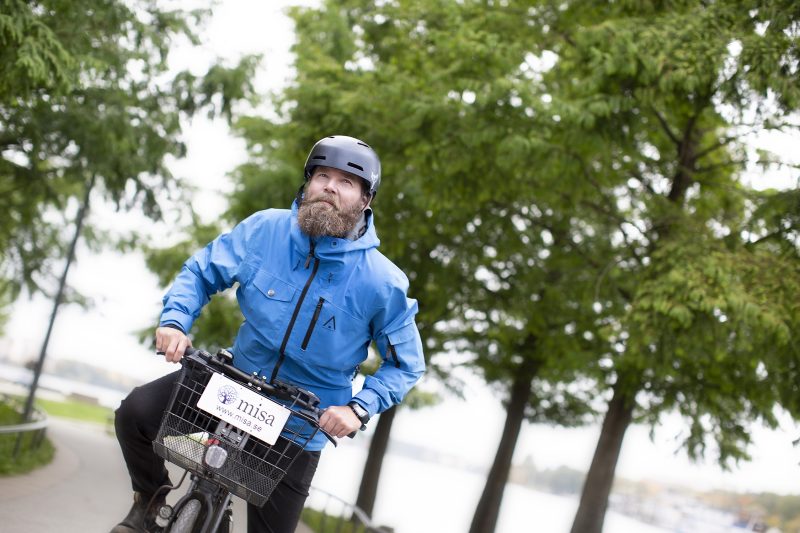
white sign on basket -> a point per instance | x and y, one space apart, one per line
243 408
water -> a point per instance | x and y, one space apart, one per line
416 496
16 380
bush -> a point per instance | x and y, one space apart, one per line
35 449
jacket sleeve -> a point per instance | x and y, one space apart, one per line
398 341
214 268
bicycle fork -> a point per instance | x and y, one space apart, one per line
205 508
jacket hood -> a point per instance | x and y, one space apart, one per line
327 248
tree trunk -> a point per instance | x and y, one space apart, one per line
62 283
368 489
597 487
488 510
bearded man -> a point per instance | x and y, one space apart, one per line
315 292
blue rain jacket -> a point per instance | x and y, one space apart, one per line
311 309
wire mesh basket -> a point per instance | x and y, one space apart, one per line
250 472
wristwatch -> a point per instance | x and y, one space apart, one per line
361 413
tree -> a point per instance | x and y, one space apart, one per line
86 101
86 97
657 98
601 133
531 326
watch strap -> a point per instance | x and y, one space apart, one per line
360 413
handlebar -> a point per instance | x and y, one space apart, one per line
303 402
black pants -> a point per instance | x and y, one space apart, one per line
137 420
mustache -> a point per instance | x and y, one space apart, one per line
323 198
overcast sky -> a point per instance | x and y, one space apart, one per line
127 298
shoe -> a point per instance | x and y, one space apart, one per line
140 519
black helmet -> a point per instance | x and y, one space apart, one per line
348 154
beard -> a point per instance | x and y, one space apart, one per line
318 218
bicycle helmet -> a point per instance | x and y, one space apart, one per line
348 154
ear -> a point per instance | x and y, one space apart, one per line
366 199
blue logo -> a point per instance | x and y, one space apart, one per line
227 394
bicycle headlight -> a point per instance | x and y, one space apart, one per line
215 456
163 516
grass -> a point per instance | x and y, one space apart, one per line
319 522
76 411
34 450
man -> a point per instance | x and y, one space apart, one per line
314 292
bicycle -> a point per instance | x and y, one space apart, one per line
236 434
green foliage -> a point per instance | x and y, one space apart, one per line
75 410
85 93
587 219
33 453
652 102
32 56
775 225
457 163
639 154
35 450
217 325
321 522
711 331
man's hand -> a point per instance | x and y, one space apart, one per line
172 342
339 421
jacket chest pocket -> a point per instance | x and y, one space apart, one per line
330 323
271 306
334 338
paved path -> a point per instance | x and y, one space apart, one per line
85 488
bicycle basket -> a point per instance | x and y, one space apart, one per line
251 472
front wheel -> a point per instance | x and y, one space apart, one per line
187 516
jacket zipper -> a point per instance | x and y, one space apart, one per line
313 323
282 351
310 255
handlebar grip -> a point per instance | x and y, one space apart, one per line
188 351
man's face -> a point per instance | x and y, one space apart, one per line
333 203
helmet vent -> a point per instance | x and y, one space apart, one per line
319 157
363 144
359 167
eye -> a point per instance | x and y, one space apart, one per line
348 182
